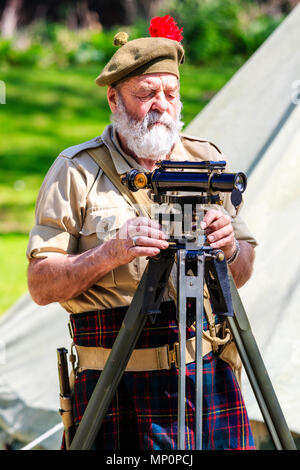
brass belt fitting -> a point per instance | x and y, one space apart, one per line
173 355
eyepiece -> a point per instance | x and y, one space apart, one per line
140 181
135 180
240 182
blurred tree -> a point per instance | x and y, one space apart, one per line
91 13
10 15
276 7
16 13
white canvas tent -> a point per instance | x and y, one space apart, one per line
255 120
29 385
256 124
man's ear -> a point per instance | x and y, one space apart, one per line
112 98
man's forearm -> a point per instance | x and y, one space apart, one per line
241 269
59 277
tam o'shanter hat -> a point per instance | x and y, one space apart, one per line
162 52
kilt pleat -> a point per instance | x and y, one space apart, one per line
143 412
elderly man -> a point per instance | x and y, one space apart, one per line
88 251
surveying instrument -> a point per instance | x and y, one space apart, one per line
195 184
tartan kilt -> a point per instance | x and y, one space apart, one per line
143 412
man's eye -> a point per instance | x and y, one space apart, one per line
146 97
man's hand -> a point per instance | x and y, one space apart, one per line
219 231
139 236
220 234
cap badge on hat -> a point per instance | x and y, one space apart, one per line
120 38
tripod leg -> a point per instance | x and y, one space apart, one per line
181 314
124 344
190 291
257 374
199 360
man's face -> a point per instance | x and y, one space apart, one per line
155 92
146 111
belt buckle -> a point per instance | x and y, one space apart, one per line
173 355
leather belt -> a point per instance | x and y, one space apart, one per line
146 359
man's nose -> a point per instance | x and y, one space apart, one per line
160 103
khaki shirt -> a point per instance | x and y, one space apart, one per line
79 208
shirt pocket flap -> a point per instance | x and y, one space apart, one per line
105 222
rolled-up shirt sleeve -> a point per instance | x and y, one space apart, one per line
60 210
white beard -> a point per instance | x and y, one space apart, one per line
146 139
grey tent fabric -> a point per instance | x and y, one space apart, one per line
256 124
255 120
250 110
29 389
272 296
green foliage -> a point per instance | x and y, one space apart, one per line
46 45
257 32
215 29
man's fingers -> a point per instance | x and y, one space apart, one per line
139 231
224 242
223 221
150 242
221 233
144 251
142 226
209 217
214 220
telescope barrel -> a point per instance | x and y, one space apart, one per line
195 182
205 165
210 178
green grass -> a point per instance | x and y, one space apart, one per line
46 111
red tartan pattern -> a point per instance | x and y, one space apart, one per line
143 413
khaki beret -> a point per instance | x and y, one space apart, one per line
142 56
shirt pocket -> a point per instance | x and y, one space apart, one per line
104 223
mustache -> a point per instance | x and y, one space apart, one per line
154 117
150 119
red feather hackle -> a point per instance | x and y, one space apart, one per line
165 27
